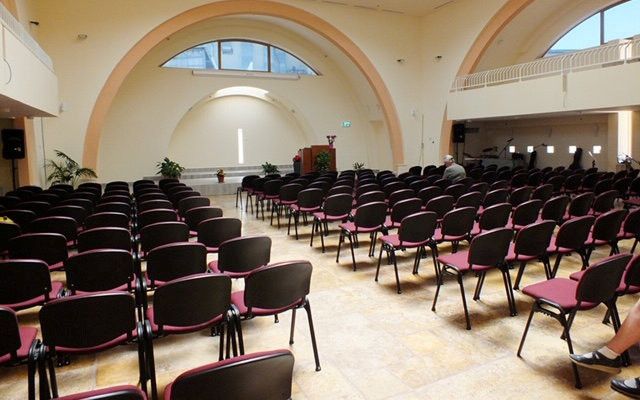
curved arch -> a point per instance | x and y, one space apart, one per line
236 7
495 25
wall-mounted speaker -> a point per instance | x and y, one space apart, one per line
12 144
458 133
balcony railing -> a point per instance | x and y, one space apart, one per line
9 22
625 51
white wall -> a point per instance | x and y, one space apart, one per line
583 131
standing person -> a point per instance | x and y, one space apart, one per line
454 172
608 358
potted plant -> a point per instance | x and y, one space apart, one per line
67 170
323 162
358 166
220 175
296 163
169 169
270 169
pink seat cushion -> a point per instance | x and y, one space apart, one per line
329 218
561 291
56 288
181 329
213 266
594 242
27 335
351 227
460 261
390 224
105 391
513 257
237 298
296 207
394 240
439 237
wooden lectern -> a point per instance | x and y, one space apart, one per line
309 154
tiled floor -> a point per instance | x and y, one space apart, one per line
376 344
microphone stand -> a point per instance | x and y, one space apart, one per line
504 149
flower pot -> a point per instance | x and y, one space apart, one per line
220 178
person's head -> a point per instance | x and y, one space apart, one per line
448 160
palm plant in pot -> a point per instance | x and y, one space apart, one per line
270 169
169 169
67 170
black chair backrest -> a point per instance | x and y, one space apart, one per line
114 198
534 239
602 186
495 216
38 207
469 199
555 208
481 187
404 208
542 192
196 215
393 187
310 198
369 187
233 379
289 192
119 207
632 222
527 212
370 197
338 205
20 217
370 215
93 186
599 282
76 212
272 187
340 189
86 321
581 204
156 204
247 180
153 216
99 270
607 225
278 285
458 222
7 232
520 195
244 254
10 333
104 238
189 203
490 248
495 197
573 233
212 232
440 205
175 260
48 247
399 195
632 272
604 201
65 226
192 300
418 227
456 190
519 180
107 219
429 193
161 233
22 280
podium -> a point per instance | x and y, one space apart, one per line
309 154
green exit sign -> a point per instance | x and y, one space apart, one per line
346 124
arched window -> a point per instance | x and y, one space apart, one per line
620 21
240 55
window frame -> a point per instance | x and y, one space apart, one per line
602 27
269 46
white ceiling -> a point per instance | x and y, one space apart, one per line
409 7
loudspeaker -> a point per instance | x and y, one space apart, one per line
458 133
12 144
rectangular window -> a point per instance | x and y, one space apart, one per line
572 149
240 146
245 56
597 149
512 149
529 149
551 149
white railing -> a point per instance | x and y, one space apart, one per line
9 22
624 51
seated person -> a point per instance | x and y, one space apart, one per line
453 172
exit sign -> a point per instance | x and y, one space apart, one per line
346 124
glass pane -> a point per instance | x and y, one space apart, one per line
586 34
203 56
622 21
246 56
285 63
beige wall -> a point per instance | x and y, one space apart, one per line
582 131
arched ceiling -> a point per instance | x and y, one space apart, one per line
535 29
409 7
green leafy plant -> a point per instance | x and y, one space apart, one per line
169 169
323 161
269 168
67 170
358 166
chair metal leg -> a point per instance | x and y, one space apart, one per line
314 227
307 308
464 301
567 327
439 283
516 285
238 331
395 267
476 294
293 326
340 240
296 218
379 261
510 297
322 233
633 248
353 256
52 377
150 360
526 328
556 265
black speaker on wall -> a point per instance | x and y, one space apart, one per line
12 144
458 133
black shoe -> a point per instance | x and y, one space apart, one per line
628 387
598 362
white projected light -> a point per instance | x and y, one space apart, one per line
572 149
512 149
529 149
551 149
597 149
240 147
